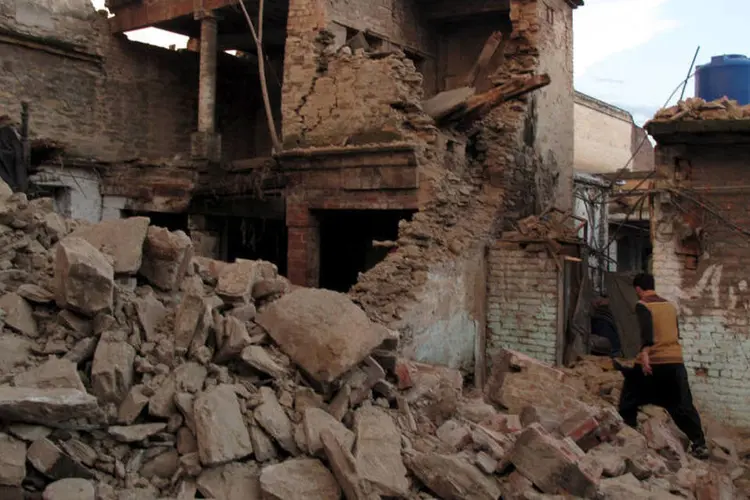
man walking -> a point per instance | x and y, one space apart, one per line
660 377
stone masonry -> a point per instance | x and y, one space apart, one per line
522 301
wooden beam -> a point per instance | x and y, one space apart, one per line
479 105
142 15
491 46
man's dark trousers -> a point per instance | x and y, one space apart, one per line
667 387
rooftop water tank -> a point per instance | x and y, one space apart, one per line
727 75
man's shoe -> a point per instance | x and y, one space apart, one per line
700 452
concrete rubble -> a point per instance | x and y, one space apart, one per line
117 381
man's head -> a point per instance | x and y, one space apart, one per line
643 283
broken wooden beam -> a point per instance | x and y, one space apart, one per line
479 105
494 41
511 90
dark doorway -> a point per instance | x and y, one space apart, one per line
346 247
173 222
253 239
634 246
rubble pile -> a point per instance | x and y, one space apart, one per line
132 369
695 108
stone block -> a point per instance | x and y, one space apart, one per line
220 429
84 278
166 257
550 465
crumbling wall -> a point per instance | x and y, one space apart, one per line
426 287
554 103
508 144
713 297
522 302
355 99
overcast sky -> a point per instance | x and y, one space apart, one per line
630 53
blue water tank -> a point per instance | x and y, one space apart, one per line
727 75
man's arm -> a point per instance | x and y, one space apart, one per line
646 323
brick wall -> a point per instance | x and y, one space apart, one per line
106 97
714 298
522 302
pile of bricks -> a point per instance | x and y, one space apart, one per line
695 108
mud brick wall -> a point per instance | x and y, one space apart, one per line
328 97
713 299
522 302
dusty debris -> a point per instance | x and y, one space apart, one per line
159 393
696 108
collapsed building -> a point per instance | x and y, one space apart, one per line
120 128
417 180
